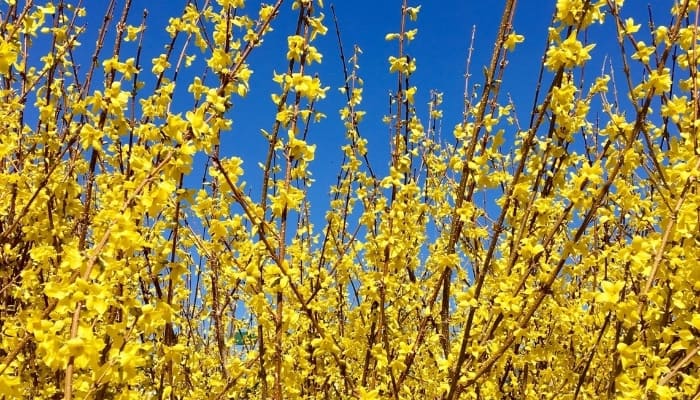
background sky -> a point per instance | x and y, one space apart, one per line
440 48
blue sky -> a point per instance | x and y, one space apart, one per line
441 46
444 31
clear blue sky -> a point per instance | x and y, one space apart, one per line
444 30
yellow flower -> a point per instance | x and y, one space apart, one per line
570 53
643 52
296 46
413 12
404 65
8 56
410 35
512 40
131 32
611 292
410 93
196 119
630 27
660 82
317 26
368 395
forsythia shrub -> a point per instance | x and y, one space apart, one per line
559 258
